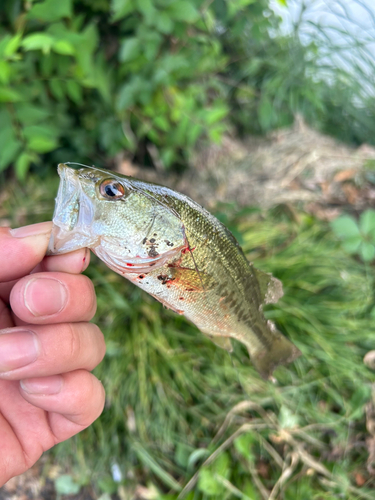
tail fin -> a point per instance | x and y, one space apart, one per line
281 351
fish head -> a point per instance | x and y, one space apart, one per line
129 228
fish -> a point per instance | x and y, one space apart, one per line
175 250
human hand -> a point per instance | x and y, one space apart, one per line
47 348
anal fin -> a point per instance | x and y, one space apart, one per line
223 342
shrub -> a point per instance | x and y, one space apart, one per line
86 79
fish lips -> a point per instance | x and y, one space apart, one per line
73 215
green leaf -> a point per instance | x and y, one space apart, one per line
183 10
126 96
162 123
29 114
216 114
38 41
235 6
42 144
222 465
358 402
182 454
148 10
367 221
152 45
121 8
22 164
287 418
130 49
194 132
51 10
164 23
352 244
215 133
74 91
345 227
57 89
63 47
5 71
9 152
9 95
12 46
65 485
208 484
367 251
243 444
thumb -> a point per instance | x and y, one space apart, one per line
22 249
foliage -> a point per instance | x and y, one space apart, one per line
179 408
357 238
86 80
65 485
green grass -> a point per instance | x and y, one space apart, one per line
180 409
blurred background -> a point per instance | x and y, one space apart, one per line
263 111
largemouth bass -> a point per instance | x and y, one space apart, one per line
175 250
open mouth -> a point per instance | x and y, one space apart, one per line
72 217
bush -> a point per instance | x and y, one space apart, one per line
86 79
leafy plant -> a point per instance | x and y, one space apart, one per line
66 485
86 80
358 237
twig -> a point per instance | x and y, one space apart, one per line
285 475
242 406
256 479
271 450
230 487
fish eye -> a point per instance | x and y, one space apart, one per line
112 190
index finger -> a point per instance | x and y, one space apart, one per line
22 249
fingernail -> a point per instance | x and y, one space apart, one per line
45 296
32 230
17 349
42 385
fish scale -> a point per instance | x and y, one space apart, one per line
175 250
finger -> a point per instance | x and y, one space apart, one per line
5 289
5 316
22 249
73 262
74 400
24 439
40 350
53 298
